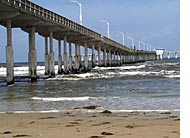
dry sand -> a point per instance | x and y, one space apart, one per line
85 125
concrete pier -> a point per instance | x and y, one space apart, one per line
99 56
105 58
110 58
36 19
85 57
117 59
70 57
93 57
51 57
169 56
32 55
46 56
114 59
66 71
77 59
121 59
9 55
176 55
60 70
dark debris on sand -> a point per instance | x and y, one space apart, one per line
107 133
7 132
96 137
106 112
16 136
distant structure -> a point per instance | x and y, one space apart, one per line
175 53
160 53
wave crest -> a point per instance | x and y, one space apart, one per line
48 99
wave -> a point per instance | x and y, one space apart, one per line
24 70
99 72
48 99
84 98
120 68
172 76
95 111
112 74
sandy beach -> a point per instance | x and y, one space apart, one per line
89 125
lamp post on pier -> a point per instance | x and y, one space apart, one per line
80 14
123 37
132 42
108 27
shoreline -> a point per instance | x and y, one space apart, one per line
89 125
88 109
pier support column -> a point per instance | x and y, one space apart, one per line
168 55
127 58
125 61
77 60
46 56
121 59
32 55
85 57
51 57
70 57
176 56
99 56
65 56
135 58
105 58
117 59
60 70
93 57
114 61
109 58
9 55
80 57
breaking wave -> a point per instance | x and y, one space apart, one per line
48 99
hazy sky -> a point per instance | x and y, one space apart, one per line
152 21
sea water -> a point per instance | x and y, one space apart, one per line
146 86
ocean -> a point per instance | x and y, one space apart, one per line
146 86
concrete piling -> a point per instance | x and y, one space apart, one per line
93 57
86 57
99 56
77 59
32 55
65 56
70 57
46 56
51 57
9 55
60 70
105 58
110 58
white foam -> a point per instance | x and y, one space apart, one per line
48 99
24 70
93 111
87 75
95 75
172 76
159 111
165 72
124 70
120 68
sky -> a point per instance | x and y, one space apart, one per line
154 22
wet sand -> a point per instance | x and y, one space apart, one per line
89 125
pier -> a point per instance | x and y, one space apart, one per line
35 19
161 52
